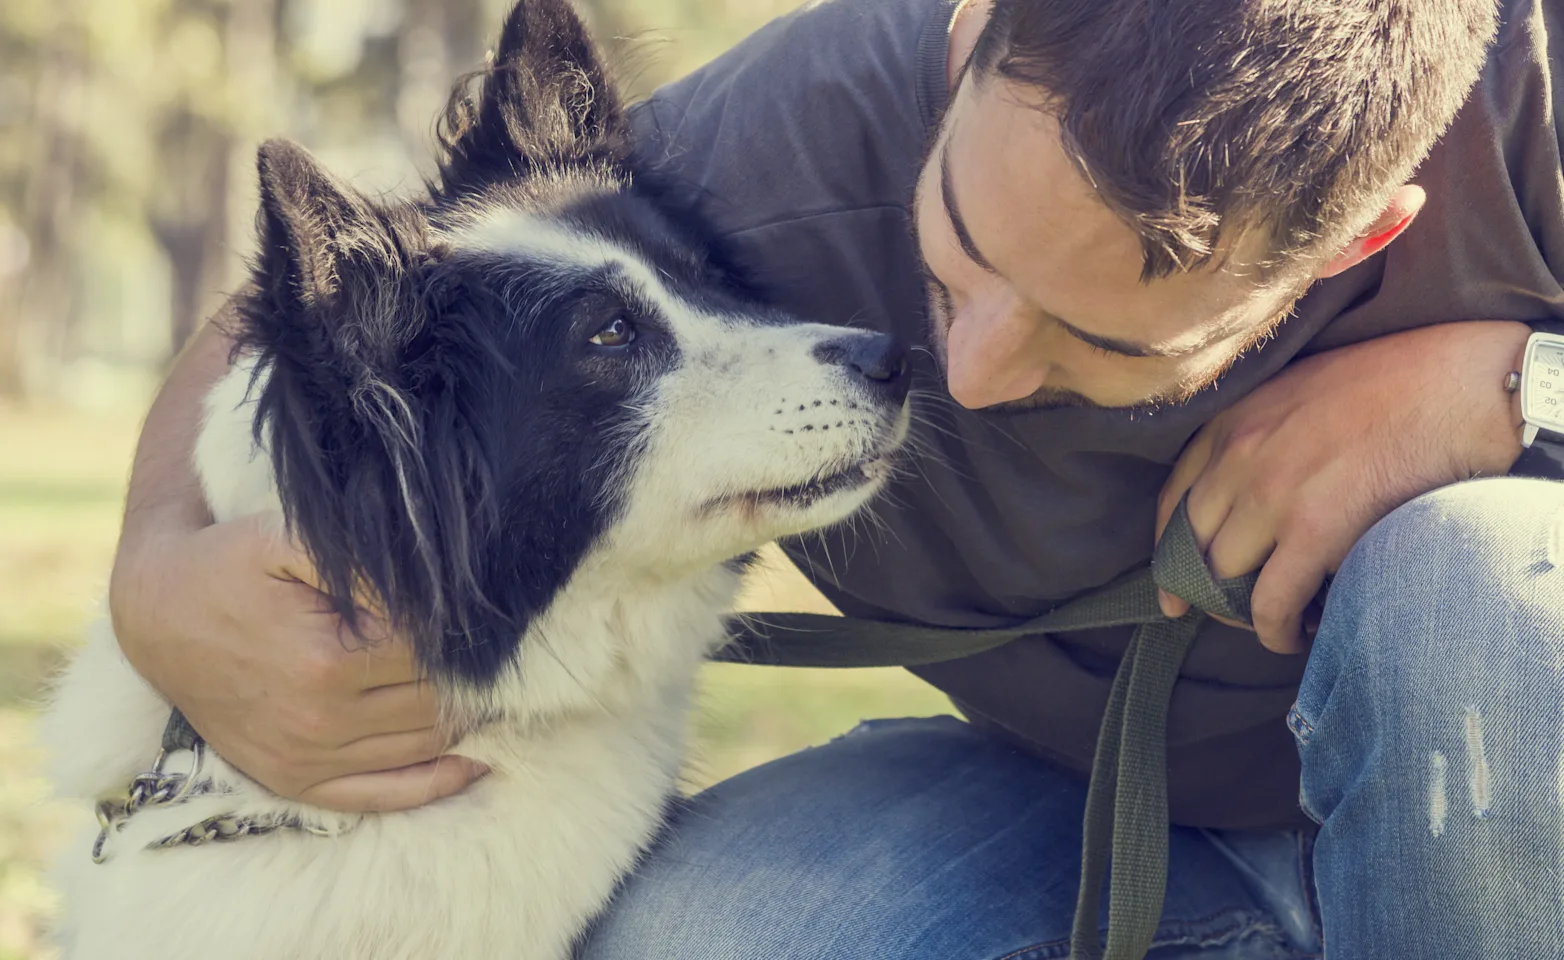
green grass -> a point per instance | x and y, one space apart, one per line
62 479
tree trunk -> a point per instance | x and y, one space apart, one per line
39 333
191 216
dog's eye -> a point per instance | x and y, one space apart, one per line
616 334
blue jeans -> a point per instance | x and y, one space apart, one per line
1430 724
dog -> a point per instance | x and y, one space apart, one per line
536 416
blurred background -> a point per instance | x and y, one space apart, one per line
127 138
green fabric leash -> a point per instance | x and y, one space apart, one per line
1126 803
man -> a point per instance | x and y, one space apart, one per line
1100 217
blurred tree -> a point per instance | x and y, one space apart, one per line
439 40
187 205
43 203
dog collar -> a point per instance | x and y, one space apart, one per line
159 787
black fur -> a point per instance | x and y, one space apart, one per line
447 444
544 103
377 383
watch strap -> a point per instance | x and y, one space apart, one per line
1544 458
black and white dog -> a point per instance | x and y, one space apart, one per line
534 417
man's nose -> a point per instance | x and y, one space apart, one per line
990 357
877 361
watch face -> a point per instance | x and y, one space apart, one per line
1543 396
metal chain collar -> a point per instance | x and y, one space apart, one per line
155 788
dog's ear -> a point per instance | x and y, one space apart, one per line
362 401
544 100
310 226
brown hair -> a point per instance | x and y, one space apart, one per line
1192 117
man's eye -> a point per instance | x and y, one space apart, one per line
617 334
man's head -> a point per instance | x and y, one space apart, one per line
1125 195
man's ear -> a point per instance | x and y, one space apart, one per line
544 100
1390 224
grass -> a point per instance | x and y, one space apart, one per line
62 478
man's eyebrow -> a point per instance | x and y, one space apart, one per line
1125 348
959 225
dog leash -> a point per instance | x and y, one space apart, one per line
1126 823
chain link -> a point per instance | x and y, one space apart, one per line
156 788
230 827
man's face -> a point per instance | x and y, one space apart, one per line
1034 284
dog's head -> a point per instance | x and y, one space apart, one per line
467 398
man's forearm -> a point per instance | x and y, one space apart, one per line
164 490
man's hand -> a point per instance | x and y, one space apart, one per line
1287 480
224 622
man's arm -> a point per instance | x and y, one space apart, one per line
222 619
164 492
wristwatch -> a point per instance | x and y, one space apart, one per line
1541 384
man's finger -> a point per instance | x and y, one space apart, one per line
1288 583
1244 543
1185 472
396 708
281 556
1208 516
1172 607
336 657
371 634
392 790
1191 463
387 751
285 559
364 669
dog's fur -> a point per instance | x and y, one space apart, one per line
435 399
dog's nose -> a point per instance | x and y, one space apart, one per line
877 361
881 364
879 357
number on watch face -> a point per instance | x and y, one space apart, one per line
1545 386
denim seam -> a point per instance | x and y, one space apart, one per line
1034 952
1239 930
1236 930
1306 840
1300 726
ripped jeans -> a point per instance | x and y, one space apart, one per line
1430 724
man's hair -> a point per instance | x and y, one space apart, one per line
1195 118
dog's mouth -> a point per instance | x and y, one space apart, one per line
802 496
837 481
